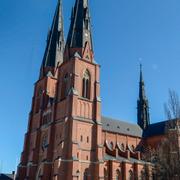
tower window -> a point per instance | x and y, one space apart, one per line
87 139
86 85
65 86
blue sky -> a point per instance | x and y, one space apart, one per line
124 31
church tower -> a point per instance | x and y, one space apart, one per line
64 136
143 118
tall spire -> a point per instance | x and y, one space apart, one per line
143 118
53 55
80 28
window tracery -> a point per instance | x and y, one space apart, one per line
86 85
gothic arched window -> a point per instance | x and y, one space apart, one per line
85 174
131 175
65 86
118 175
86 85
142 177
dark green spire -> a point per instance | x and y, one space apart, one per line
143 118
80 27
53 55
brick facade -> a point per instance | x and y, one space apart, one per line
67 137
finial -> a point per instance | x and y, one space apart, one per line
141 73
140 63
140 66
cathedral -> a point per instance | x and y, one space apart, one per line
68 138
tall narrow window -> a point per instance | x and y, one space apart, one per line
85 174
131 175
65 86
86 85
87 139
118 175
38 100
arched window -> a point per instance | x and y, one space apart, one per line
86 85
142 176
65 86
131 175
118 175
85 174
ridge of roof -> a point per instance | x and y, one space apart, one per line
121 127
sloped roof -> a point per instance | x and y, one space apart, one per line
155 129
121 127
6 176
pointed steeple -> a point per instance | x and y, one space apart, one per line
53 55
143 118
80 28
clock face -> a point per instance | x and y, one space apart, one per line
86 34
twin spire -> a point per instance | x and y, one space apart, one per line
78 36
79 41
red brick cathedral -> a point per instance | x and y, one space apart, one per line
67 136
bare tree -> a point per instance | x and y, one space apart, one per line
167 157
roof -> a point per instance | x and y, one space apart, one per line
6 176
126 128
121 127
155 129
